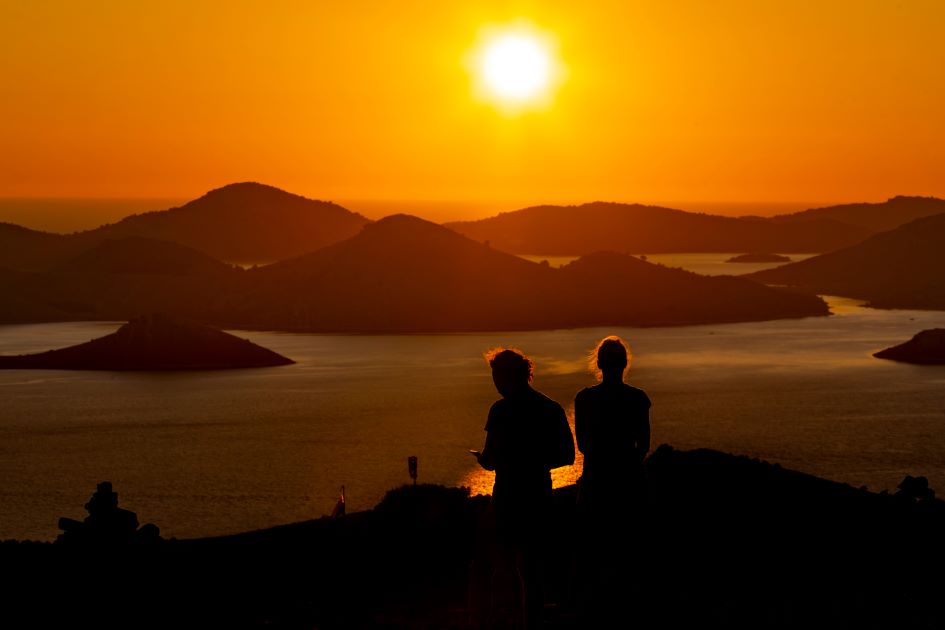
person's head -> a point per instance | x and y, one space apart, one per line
611 357
511 370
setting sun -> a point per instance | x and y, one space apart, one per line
515 67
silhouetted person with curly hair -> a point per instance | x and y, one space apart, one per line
527 435
612 424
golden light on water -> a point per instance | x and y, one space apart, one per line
516 67
480 481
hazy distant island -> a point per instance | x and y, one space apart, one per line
244 222
926 347
725 541
901 268
759 258
153 342
249 222
582 229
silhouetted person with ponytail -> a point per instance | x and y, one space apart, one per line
527 435
612 424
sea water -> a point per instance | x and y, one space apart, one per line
207 453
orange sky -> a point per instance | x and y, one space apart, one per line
662 101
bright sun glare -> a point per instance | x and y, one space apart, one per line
515 67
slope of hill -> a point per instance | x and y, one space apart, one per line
403 274
925 348
154 342
23 248
120 279
245 222
139 255
902 268
614 289
876 217
579 230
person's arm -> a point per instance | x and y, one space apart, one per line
580 423
488 458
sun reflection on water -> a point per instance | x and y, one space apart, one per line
480 481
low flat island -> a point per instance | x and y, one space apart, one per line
153 342
759 258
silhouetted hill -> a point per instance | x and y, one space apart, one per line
902 268
23 248
617 289
120 280
138 255
876 217
926 347
243 223
246 222
154 342
405 274
638 229
759 258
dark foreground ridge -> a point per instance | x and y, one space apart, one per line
724 542
154 342
926 347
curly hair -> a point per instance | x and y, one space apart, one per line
510 362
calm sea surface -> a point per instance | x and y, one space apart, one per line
206 453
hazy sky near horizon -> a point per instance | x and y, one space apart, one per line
730 101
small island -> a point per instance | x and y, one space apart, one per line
759 258
926 348
153 342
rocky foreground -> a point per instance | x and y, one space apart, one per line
723 542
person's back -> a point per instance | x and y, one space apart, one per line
525 431
527 435
613 432
612 424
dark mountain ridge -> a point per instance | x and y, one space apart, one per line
901 268
635 228
245 223
877 217
400 274
404 274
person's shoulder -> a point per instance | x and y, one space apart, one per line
637 394
497 411
588 393
544 400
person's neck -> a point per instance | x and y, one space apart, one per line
516 392
613 378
